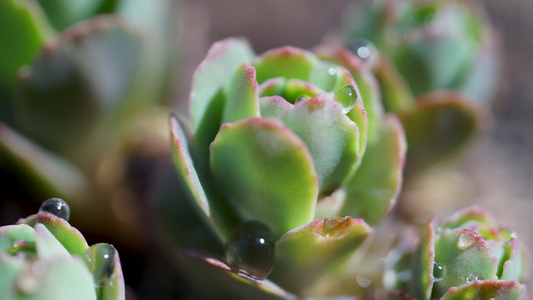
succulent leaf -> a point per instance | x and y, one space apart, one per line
79 78
487 289
376 184
243 98
304 253
266 172
287 62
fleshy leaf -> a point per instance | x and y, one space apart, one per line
213 74
242 96
331 137
219 215
465 258
487 289
296 88
287 62
67 235
439 125
12 233
23 29
514 267
44 175
474 213
423 264
394 90
78 78
273 106
266 172
373 189
272 87
48 247
366 83
217 280
304 253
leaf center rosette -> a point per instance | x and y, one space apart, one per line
284 139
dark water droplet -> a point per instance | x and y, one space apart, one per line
100 258
472 277
56 207
347 97
251 249
438 271
300 99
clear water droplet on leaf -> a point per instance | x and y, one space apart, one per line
57 207
251 249
347 97
363 49
439 272
472 277
100 258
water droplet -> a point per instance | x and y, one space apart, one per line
472 277
29 281
363 282
347 97
466 240
100 258
251 249
56 207
438 272
324 75
362 48
21 246
514 235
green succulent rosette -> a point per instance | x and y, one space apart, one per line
288 143
468 257
81 83
44 257
437 64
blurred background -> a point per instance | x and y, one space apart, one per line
495 171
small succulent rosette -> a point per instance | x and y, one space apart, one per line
281 147
80 91
468 257
437 68
43 257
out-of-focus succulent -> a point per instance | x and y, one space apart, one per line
468 257
437 68
44 257
281 147
80 88
435 45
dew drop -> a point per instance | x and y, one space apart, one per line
57 207
21 246
472 277
438 272
363 49
324 75
251 249
100 258
363 282
347 97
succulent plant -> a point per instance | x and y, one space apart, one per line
288 161
44 257
80 87
437 69
468 257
